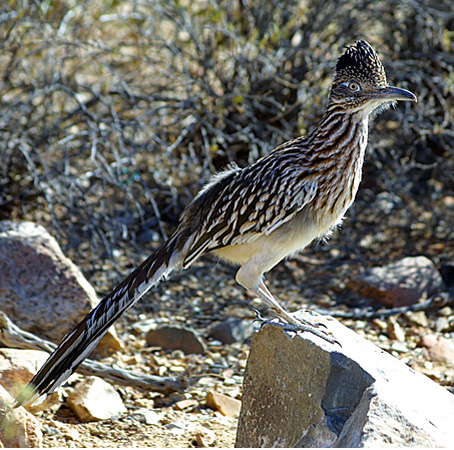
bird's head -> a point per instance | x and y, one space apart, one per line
360 83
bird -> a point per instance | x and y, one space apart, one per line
256 216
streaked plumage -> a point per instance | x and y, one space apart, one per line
258 215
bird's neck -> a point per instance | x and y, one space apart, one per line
340 131
338 145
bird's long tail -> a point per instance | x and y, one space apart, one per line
78 344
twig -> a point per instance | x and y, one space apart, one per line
436 302
13 336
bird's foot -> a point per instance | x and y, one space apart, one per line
297 325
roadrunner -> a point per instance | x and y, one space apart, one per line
258 215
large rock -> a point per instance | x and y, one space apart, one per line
401 283
41 289
18 428
301 391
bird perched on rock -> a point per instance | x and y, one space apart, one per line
258 215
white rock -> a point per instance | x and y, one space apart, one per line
146 416
94 399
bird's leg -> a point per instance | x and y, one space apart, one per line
250 276
292 323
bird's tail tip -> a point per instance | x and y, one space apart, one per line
29 396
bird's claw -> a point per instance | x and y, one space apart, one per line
302 326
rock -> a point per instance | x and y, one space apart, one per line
18 428
447 272
41 288
227 406
185 404
301 391
94 399
73 434
439 348
17 368
205 438
402 283
171 399
233 330
176 338
395 331
146 416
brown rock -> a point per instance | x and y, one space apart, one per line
18 428
226 405
402 283
41 289
94 399
176 338
284 383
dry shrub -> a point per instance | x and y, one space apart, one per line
115 112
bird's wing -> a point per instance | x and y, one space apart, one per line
246 203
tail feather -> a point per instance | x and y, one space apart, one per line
78 344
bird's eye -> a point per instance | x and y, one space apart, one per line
354 86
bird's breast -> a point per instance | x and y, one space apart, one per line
338 186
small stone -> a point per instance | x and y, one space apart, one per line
94 399
205 438
185 404
399 347
448 201
233 330
180 427
51 431
419 318
439 348
146 403
442 324
176 338
72 434
146 416
446 311
226 405
395 331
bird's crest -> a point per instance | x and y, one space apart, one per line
361 62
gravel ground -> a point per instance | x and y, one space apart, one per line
207 294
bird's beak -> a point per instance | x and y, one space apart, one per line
391 93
